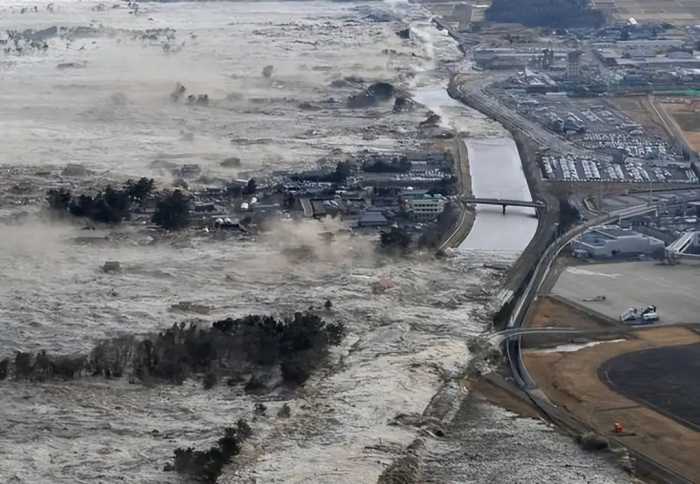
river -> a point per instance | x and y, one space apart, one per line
496 172
494 162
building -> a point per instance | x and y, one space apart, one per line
423 207
612 241
372 218
462 13
510 58
573 65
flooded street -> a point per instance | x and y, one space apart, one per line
99 96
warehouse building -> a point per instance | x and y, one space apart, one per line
612 241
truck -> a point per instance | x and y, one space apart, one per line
640 316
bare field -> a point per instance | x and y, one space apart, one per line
682 12
687 116
550 312
571 380
639 109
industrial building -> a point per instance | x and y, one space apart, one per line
612 241
512 58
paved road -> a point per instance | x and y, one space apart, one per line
517 318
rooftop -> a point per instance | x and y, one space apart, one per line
616 232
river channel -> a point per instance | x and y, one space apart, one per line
494 162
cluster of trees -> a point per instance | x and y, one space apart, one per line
395 240
568 215
374 94
113 206
546 13
237 190
206 466
108 206
400 165
446 186
172 211
340 175
296 344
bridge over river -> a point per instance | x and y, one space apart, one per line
504 202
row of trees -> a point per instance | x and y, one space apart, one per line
296 345
340 175
113 206
401 165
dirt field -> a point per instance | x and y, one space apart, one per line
570 380
638 108
681 12
687 114
550 312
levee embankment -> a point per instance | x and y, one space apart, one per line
459 231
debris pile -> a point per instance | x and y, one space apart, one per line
375 94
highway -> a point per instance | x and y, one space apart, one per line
474 95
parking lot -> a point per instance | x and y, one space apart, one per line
673 289
620 149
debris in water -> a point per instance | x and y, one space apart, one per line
112 266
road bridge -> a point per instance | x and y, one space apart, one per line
504 202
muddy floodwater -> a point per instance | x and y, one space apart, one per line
93 90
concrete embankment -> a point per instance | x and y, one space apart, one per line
459 231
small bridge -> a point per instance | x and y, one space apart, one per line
503 202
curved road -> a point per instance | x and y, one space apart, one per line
517 317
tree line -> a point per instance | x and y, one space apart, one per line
296 345
114 205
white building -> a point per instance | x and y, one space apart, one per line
612 241
424 206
